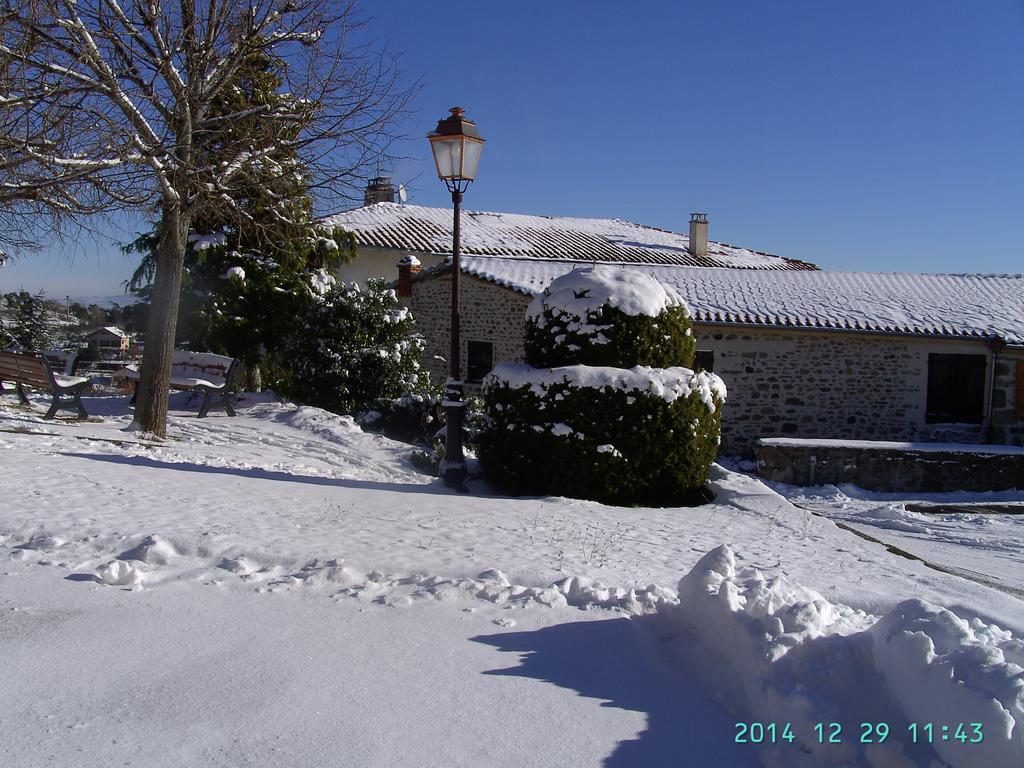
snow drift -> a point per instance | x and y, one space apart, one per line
773 651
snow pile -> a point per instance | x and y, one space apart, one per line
582 292
153 550
666 383
942 668
773 651
119 573
895 517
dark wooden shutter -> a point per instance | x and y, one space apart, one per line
480 360
956 389
1020 391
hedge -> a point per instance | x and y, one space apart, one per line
630 441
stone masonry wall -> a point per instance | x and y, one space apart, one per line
1008 399
810 384
891 470
487 312
820 384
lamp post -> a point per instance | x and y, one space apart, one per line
456 145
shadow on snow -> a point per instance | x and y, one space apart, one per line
434 487
618 660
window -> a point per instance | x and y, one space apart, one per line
956 389
704 360
480 360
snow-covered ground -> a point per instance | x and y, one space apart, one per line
979 536
283 589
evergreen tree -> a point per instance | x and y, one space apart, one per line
354 347
31 322
248 264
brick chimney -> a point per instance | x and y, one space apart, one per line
698 234
379 190
408 266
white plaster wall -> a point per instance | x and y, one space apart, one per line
379 262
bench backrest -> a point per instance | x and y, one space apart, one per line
27 368
61 362
203 363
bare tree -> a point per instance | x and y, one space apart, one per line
107 106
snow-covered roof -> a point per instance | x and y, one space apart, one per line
976 306
429 230
111 329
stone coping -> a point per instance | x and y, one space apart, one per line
883 445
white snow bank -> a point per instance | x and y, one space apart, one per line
582 292
773 651
666 383
943 669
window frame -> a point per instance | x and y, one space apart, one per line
946 392
470 357
707 354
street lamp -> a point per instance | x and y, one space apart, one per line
456 145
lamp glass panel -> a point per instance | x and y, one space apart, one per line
456 150
443 156
471 157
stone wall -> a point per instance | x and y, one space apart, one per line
1008 398
782 383
823 384
487 312
890 468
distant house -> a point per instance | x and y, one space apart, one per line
803 352
109 341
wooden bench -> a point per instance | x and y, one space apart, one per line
201 372
27 369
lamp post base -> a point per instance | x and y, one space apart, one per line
453 466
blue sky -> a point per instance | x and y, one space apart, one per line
860 136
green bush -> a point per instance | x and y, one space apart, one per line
608 407
610 337
612 443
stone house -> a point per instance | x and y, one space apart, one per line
804 353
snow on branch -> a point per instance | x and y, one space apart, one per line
126 100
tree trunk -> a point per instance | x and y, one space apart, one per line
155 375
254 378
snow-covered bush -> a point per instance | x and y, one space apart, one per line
353 348
412 417
627 433
608 317
630 436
